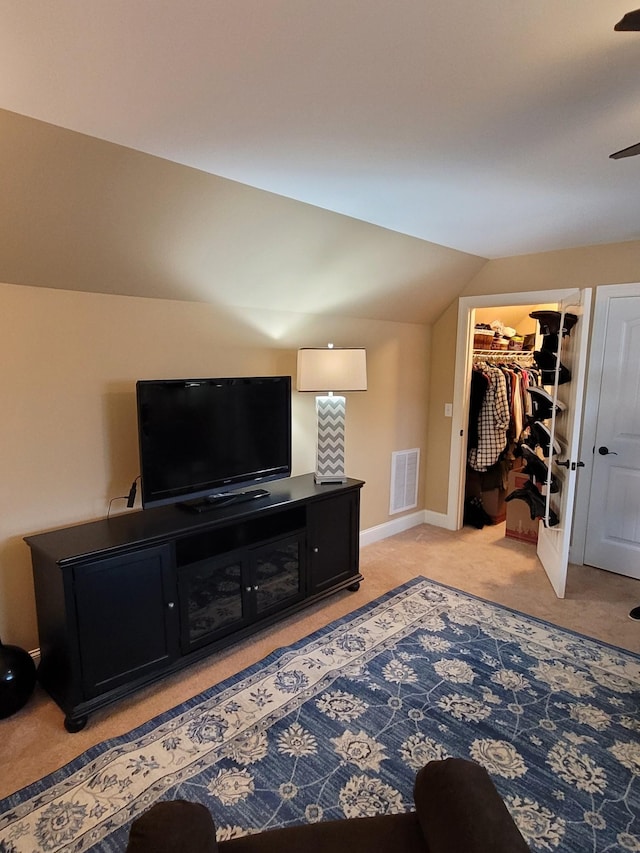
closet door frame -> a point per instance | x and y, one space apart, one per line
463 364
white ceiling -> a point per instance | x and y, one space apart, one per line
484 126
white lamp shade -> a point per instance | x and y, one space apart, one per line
325 369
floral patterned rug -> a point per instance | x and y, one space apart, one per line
337 725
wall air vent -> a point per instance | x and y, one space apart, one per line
405 466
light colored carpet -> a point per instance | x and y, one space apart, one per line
482 562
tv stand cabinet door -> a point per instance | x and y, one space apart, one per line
127 618
214 599
277 575
333 528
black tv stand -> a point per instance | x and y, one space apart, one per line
219 499
124 601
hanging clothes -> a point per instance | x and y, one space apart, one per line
493 422
478 390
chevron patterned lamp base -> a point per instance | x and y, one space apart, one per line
330 448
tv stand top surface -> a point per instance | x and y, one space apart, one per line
219 499
70 545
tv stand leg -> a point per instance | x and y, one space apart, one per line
354 587
75 724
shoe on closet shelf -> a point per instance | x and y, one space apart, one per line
536 468
549 376
539 436
547 361
542 395
531 496
542 403
550 322
535 501
550 343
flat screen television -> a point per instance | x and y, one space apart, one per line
202 440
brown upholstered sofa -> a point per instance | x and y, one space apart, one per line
458 810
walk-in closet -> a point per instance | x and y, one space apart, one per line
510 458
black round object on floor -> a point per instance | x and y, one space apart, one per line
17 679
635 613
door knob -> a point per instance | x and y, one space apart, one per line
604 451
567 463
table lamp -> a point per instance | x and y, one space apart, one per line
325 370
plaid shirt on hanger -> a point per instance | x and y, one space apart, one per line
492 423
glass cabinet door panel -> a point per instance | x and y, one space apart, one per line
211 598
277 575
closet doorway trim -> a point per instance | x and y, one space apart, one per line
464 359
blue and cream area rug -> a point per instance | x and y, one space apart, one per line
337 725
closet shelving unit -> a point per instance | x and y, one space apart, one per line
502 355
552 388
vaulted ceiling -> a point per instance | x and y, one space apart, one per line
482 127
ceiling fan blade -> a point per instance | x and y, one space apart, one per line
631 151
630 22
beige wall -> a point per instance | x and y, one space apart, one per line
590 266
442 372
68 427
80 213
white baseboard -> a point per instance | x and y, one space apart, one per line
439 519
405 522
390 528
35 654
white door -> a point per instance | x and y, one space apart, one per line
553 542
613 523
